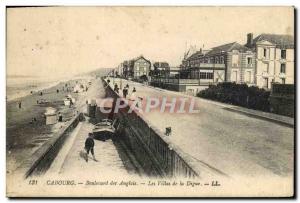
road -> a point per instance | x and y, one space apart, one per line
236 144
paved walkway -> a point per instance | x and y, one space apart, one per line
70 159
233 142
110 156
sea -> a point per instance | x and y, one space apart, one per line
21 86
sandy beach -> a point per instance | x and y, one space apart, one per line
24 135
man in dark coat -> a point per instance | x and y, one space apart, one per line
89 146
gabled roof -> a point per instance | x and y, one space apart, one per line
222 48
282 41
227 48
161 64
195 55
140 57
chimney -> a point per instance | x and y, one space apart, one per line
249 39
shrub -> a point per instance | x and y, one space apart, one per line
238 94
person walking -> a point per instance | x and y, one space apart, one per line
116 88
125 92
132 96
20 104
89 146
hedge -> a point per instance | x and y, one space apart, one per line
238 94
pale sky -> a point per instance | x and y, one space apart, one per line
55 41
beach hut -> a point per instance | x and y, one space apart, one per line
67 102
51 116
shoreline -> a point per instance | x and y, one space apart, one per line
23 136
40 87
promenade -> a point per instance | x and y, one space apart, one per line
235 143
111 160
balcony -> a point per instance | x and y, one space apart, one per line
183 81
265 74
282 60
282 75
212 65
209 65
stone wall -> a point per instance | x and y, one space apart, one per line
42 159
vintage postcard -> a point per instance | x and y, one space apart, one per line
150 101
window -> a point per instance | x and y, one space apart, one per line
265 52
222 59
235 60
282 68
217 60
248 77
266 82
283 80
234 76
202 75
283 54
249 60
266 67
205 75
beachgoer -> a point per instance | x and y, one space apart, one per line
59 117
57 91
71 102
41 93
20 104
125 92
89 146
108 81
127 86
116 88
132 96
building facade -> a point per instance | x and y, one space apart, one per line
135 68
161 69
231 62
274 59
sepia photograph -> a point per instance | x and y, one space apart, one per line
150 101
